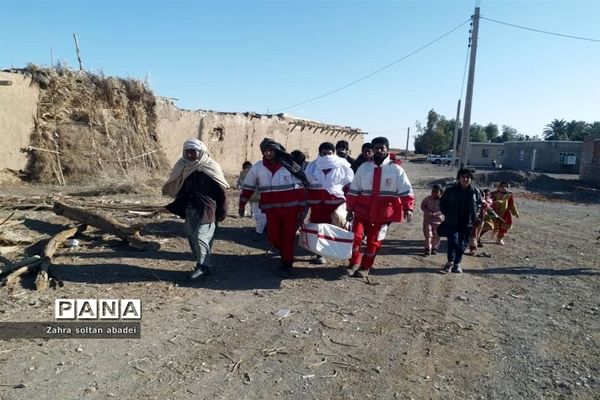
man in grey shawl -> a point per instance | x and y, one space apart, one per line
199 188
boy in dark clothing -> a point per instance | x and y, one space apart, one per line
366 155
245 168
199 187
300 158
460 205
341 150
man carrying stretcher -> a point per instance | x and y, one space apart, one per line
379 195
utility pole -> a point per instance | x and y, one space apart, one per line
464 139
455 140
407 137
78 54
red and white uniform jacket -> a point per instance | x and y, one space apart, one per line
380 193
329 178
277 186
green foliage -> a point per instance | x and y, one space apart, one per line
491 132
559 129
508 134
556 130
436 136
576 130
593 128
477 133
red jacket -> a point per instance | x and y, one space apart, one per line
380 193
277 187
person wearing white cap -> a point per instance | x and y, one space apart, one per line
330 177
199 188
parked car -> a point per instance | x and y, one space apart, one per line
443 159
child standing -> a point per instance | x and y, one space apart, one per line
486 216
245 168
432 218
238 185
504 205
252 208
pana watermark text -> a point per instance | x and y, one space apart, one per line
98 309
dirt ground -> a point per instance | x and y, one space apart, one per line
522 322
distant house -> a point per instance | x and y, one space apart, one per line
482 154
590 159
543 155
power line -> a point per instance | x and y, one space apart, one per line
541 31
462 88
374 72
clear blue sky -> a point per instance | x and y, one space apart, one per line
265 55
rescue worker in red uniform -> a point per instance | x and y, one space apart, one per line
379 195
282 184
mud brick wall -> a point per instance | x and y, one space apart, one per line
590 159
18 108
233 138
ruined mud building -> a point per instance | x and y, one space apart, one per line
233 138
63 126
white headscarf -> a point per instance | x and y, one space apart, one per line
341 174
184 168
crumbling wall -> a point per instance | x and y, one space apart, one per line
174 126
79 127
88 127
18 106
233 138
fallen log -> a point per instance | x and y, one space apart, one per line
26 261
41 281
12 223
13 276
28 206
124 232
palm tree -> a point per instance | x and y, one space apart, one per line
576 130
592 129
556 130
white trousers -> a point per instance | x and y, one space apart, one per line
260 217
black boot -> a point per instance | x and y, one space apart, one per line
201 271
285 270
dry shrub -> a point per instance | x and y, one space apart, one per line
9 176
137 181
92 126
